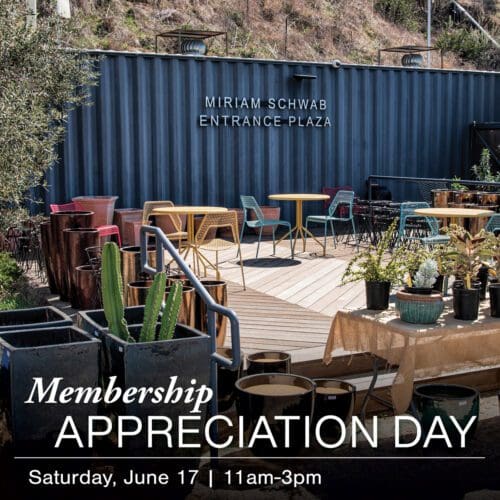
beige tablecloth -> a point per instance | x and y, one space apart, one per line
421 351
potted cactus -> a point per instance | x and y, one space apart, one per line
419 302
152 353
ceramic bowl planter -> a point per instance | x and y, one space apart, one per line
419 308
66 352
494 289
102 206
465 302
446 400
30 319
333 397
377 295
268 362
270 395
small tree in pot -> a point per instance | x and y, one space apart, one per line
466 255
379 269
493 247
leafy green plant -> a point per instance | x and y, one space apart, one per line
469 44
377 263
466 253
482 171
457 186
9 273
112 297
492 248
39 84
400 12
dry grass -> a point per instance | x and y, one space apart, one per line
319 30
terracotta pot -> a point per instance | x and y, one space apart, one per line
86 290
269 213
75 242
102 206
122 218
48 250
59 222
225 232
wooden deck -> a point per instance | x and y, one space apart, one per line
288 304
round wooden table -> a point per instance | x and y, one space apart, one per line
299 228
190 212
454 213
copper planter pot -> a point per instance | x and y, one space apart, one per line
59 221
48 250
441 197
86 289
485 199
187 313
75 242
131 267
218 291
137 292
464 197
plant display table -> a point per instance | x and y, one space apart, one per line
454 213
422 351
299 228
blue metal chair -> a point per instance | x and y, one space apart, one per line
407 212
250 203
342 200
493 224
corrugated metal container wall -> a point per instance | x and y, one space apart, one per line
142 139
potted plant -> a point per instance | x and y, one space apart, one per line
466 255
34 318
379 269
419 303
493 247
152 353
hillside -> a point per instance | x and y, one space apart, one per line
319 30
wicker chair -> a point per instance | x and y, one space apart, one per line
215 221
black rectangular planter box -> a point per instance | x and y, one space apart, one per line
66 352
37 317
151 364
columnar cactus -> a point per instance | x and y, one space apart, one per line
172 308
152 308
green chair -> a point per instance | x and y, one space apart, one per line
343 202
249 203
407 214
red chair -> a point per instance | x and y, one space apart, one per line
106 230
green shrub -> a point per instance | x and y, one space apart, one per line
470 45
402 12
9 274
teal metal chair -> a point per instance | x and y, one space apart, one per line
493 224
407 213
343 202
250 203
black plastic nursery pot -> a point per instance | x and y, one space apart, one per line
445 401
270 395
36 317
162 364
495 299
66 352
333 397
466 302
439 284
377 295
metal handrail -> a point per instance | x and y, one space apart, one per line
163 243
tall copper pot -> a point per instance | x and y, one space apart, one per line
187 313
137 292
48 250
131 266
59 222
218 291
76 240
441 197
87 291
